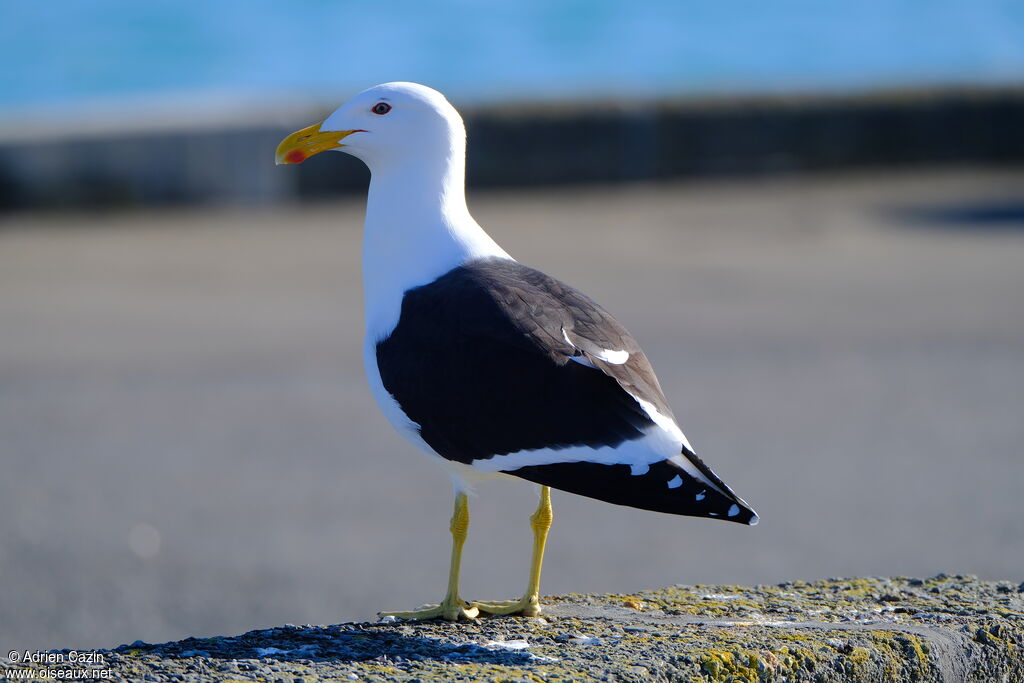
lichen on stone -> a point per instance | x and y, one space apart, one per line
865 629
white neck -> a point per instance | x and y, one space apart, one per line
417 228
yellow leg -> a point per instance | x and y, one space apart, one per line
529 604
452 607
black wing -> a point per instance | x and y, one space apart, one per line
484 360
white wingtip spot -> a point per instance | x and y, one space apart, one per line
754 520
700 496
613 357
637 469
734 510
675 482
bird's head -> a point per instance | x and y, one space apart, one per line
388 122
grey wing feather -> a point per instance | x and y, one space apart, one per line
566 323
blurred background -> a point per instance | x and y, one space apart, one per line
812 216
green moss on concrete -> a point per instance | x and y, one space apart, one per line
736 665
867 629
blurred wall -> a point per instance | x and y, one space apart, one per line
231 161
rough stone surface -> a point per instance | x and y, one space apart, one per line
946 628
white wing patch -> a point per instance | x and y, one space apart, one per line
656 445
613 357
607 355
664 421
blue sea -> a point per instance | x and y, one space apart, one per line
59 56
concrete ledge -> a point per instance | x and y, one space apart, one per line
946 628
203 162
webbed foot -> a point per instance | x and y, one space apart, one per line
527 606
451 610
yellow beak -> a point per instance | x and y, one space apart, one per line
304 143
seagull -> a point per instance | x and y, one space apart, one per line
490 367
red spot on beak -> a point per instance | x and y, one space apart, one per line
296 156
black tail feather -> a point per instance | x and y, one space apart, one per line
663 487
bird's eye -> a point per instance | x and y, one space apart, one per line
381 108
